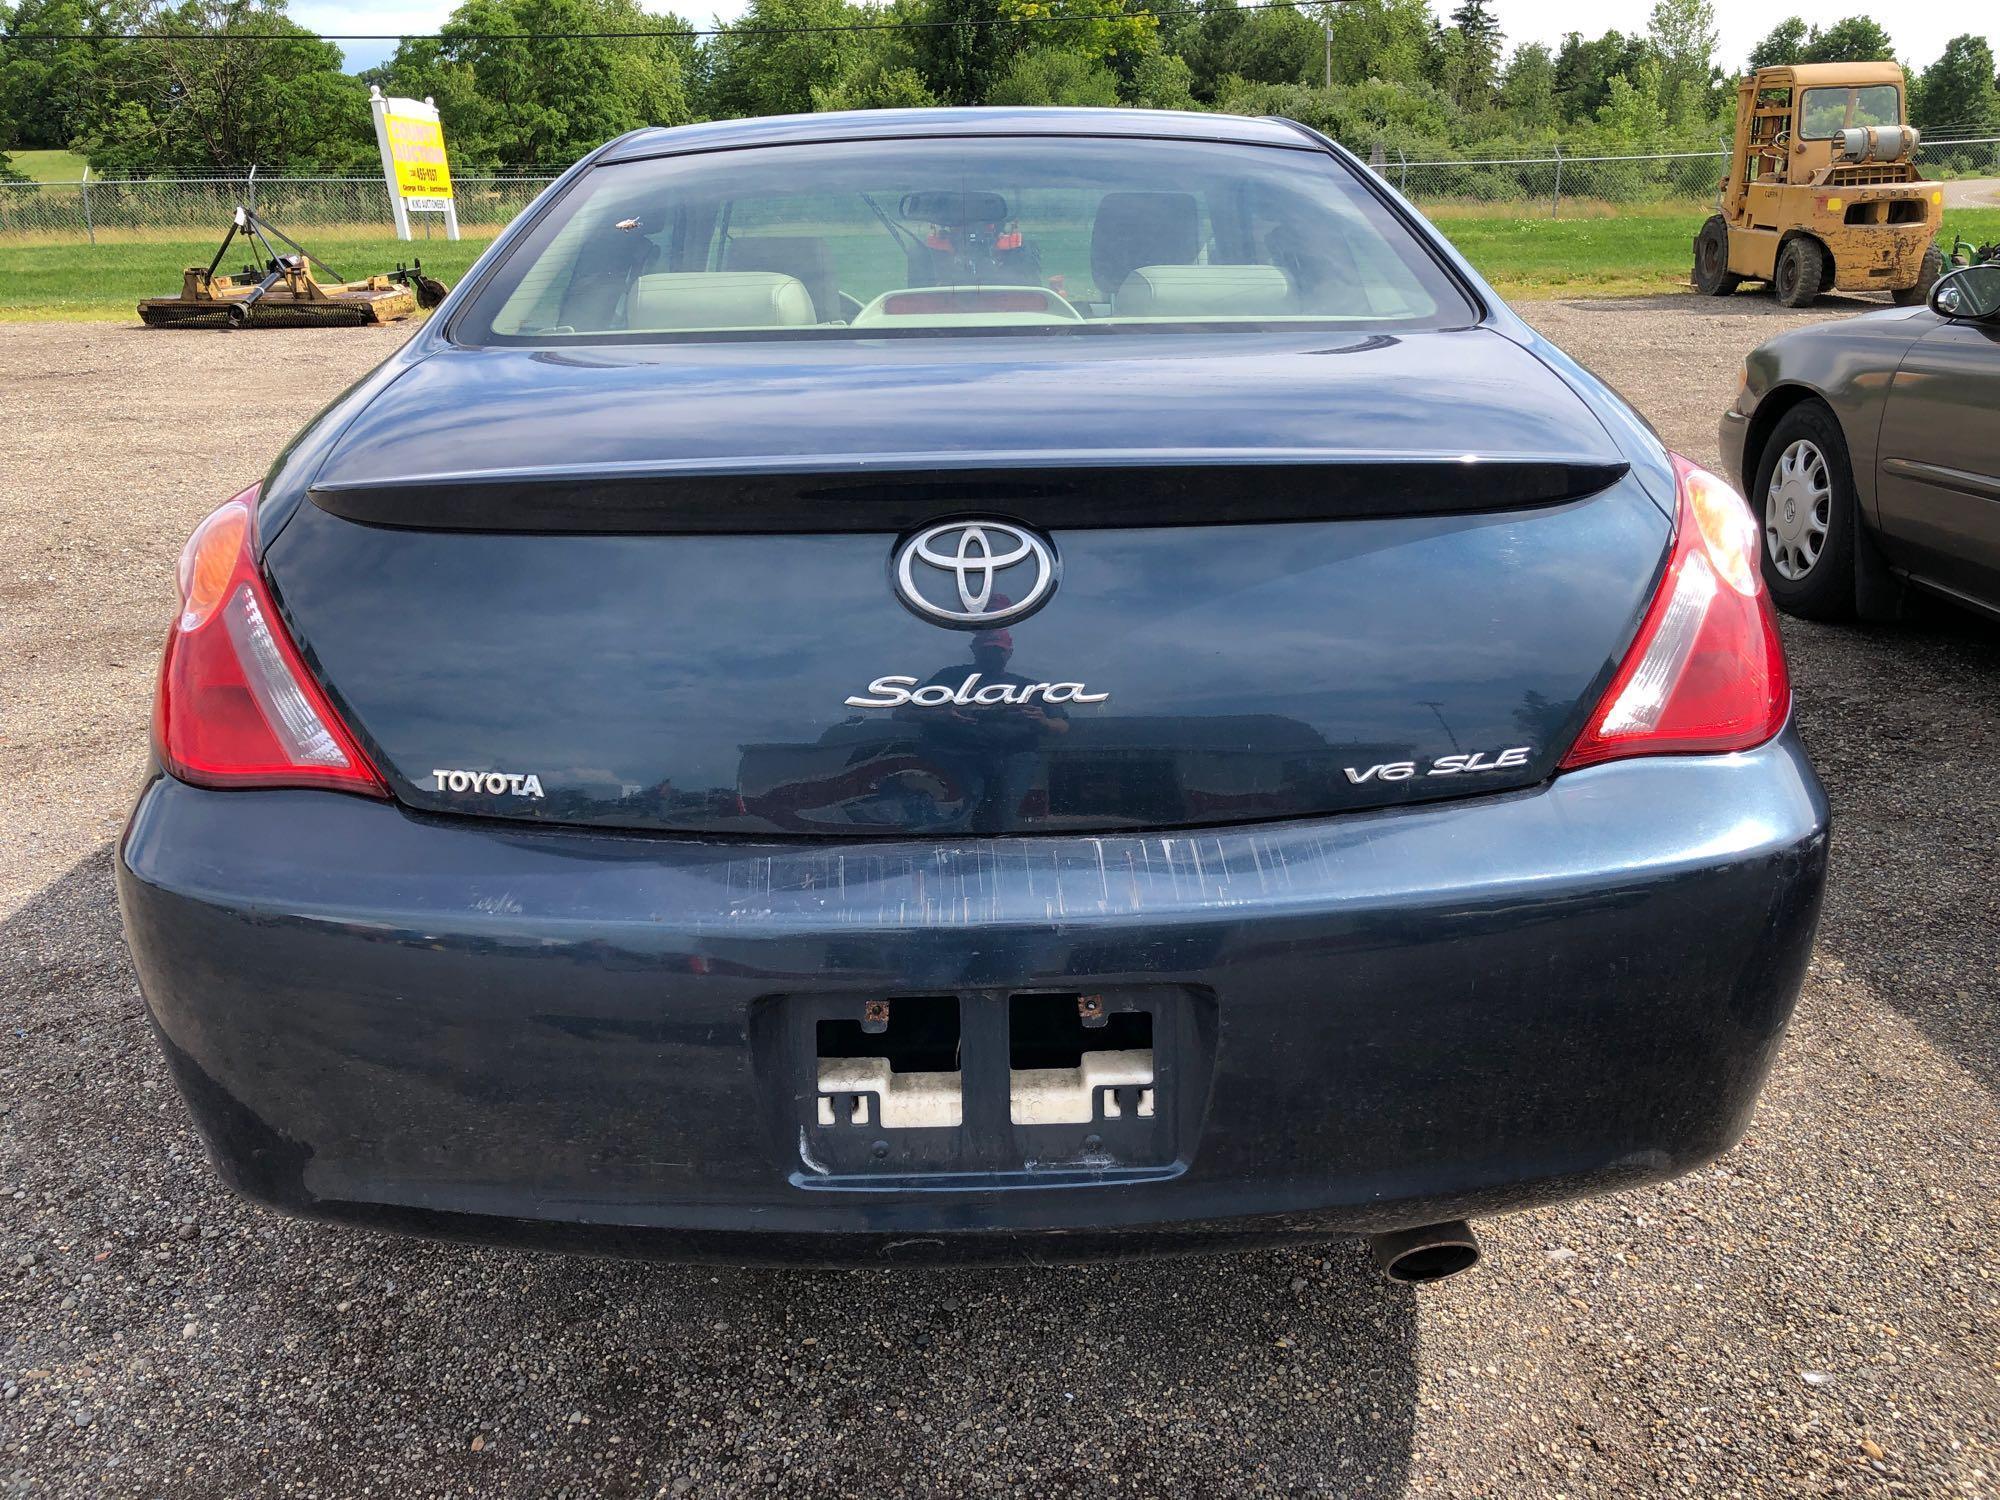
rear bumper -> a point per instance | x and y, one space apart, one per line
1879 257
544 1037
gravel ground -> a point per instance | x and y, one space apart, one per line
1814 1314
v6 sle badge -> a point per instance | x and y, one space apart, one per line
1466 764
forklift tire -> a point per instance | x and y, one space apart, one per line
1801 272
1911 296
1712 276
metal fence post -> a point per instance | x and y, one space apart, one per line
88 227
1403 173
1556 203
250 188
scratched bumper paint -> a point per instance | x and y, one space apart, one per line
545 1036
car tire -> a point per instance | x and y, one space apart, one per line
1803 496
1800 274
1712 276
1910 296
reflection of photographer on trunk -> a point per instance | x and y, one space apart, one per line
983 738
985 709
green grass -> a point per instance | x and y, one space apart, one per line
104 282
1603 252
1980 225
1629 254
47 166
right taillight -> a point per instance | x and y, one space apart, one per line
1706 672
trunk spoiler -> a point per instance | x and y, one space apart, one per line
894 493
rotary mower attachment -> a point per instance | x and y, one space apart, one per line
285 293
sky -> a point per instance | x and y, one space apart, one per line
1919 32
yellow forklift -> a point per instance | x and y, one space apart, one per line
1823 191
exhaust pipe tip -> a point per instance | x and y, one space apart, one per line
1417 1257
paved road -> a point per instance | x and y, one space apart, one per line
1972 192
1814 1314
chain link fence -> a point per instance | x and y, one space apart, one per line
1547 185
1975 157
1550 185
176 207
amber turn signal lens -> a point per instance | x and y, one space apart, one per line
209 560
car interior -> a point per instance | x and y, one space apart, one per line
957 257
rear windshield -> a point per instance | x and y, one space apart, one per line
1053 235
1827 112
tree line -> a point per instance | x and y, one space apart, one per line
533 83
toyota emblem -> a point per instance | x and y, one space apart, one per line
974 574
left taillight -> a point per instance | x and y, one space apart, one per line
1706 673
236 706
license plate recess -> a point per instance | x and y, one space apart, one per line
1021 1087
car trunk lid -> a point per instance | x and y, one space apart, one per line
1291 576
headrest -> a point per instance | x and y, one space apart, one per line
807 257
667 301
1141 229
1197 292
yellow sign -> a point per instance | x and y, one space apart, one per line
417 148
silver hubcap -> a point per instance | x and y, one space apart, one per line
1798 510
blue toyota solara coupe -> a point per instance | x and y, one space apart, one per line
971 684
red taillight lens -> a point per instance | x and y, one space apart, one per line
1707 671
236 706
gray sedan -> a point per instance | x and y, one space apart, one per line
1870 450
